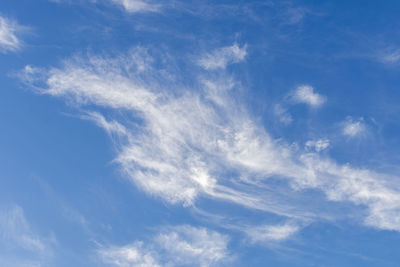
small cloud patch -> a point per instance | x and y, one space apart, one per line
305 94
354 128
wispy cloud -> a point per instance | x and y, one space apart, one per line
17 238
130 255
305 94
354 127
271 233
282 114
317 145
130 6
175 246
220 58
389 55
15 229
135 6
392 57
183 144
9 31
192 244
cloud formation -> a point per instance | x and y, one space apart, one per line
268 233
305 94
221 57
317 145
130 6
186 143
388 56
17 236
130 255
175 246
9 30
354 128
282 114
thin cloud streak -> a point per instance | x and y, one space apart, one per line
220 58
17 236
15 229
129 6
135 6
354 128
272 233
283 115
130 255
9 31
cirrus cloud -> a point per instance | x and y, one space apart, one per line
9 32
182 144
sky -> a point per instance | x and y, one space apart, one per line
199 133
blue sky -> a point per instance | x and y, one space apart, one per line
199 133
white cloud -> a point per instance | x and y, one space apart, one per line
378 192
176 246
317 145
134 6
130 6
268 233
221 57
111 127
389 56
180 144
187 245
128 256
305 94
354 128
9 31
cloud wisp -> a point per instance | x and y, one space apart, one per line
180 143
129 6
9 31
135 6
354 128
282 114
272 233
222 57
174 246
